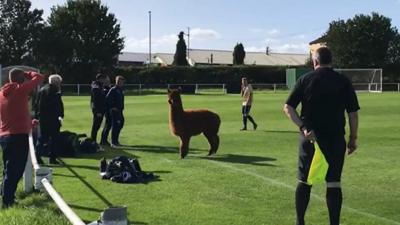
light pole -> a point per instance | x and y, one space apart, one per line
149 38
188 45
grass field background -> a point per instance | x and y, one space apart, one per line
251 180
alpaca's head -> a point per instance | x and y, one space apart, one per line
174 97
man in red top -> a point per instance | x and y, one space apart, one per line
15 124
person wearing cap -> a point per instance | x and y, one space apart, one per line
15 125
115 100
50 112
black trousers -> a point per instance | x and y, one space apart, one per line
118 121
15 153
334 150
49 138
97 120
107 127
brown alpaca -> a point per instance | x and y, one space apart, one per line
188 123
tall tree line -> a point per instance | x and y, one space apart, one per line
79 39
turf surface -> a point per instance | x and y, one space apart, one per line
250 181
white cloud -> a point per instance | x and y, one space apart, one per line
203 34
273 32
290 48
165 43
255 49
301 36
269 41
258 30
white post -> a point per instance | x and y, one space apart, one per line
79 89
223 89
398 87
72 217
140 89
274 88
196 90
28 175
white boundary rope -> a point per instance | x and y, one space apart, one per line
62 205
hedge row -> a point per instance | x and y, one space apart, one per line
202 75
229 75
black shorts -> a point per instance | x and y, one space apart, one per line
333 148
246 110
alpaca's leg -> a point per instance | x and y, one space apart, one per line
216 138
184 148
213 140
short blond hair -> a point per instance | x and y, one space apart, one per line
55 78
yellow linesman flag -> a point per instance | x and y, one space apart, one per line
319 167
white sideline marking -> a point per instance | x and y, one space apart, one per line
291 187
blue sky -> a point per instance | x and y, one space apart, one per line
284 25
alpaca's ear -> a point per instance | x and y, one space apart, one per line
180 89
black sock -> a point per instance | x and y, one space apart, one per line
244 122
251 120
334 202
302 198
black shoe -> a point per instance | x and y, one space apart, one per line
244 128
255 126
103 165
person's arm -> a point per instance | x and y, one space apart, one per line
34 79
289 108
352 107
353 125
61 106
96 100
36 107
292 114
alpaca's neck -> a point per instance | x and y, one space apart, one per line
176 119
176 112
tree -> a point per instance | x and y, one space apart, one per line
82 40
362 41
20 31
393 53
180 53
238 54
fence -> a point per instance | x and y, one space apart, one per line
42 181
142 89
42 177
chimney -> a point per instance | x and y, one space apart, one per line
212 59
267 51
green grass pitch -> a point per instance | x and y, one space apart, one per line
250 181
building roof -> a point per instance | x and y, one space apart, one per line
319 40
133 57
165 58
221 57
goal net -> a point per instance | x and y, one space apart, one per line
210 89
364 79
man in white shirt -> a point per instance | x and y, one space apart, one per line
247 96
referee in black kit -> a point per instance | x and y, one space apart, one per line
325 95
